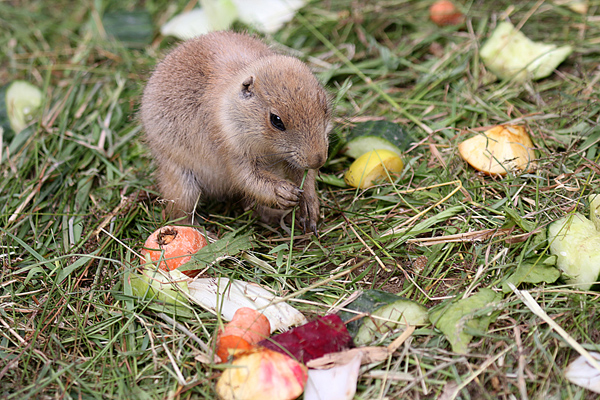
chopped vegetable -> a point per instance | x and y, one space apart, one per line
264 15
149 282
227 296
246 328
582 373
509 54
371 167
364 144
386 312
499 150
261 374
337 383
461 319
575 241
313 340
268 16
173 246
444 12
20 102
213 16
373 135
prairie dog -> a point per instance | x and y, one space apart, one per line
226 117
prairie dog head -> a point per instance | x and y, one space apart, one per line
278 109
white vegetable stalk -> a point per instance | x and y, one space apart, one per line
337 383
226 296
267 16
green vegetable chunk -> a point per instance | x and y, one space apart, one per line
376 135
575 241
509 54
462 319
19 105
166 286
531 273
387 311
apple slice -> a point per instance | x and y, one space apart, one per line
499 150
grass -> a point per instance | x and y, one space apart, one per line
76 197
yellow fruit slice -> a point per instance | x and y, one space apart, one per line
371 167
499 150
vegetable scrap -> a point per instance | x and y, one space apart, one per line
499 150
173 246
509 54
20 103
246 328
461 318
445 12
324 335
373 166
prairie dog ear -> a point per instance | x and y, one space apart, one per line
248 87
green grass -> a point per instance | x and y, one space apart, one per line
77 196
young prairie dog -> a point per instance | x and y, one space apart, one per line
226 117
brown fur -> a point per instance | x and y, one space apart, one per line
206 112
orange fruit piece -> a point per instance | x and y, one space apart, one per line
246 328
174 246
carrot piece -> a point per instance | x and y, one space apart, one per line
246 328
174 245
444 12
228 345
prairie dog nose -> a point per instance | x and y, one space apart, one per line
316 160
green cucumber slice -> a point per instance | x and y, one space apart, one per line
20 102
364 144
375 135
390 310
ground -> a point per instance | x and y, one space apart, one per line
77 200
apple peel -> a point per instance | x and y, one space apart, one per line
499 150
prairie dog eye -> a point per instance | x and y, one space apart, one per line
277 122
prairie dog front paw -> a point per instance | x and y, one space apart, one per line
287 195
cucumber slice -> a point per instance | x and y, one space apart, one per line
575 241
372 135
20 102
364 144
392 311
